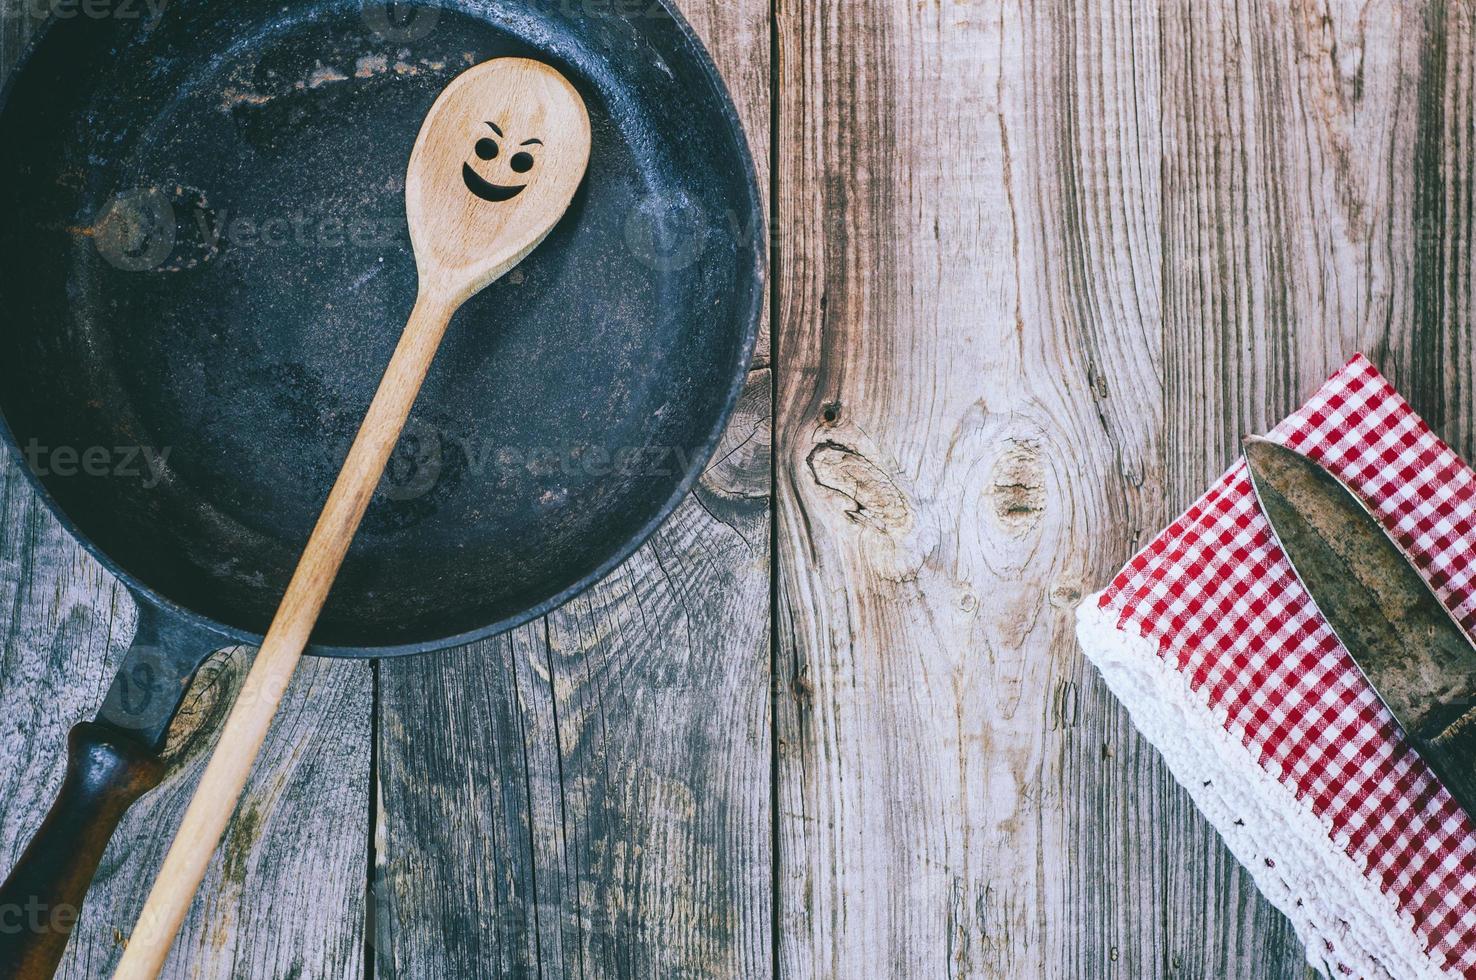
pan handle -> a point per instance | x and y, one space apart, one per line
111 762
40 902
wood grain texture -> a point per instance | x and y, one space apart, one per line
1039 268
1045 264
285 896
590 795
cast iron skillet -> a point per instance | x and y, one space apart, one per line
204 266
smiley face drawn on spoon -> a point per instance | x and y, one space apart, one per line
467 232
488 148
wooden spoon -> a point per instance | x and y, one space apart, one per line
496 164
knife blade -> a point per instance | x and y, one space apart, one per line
1416 656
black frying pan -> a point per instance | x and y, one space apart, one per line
204 267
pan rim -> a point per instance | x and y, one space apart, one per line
752 319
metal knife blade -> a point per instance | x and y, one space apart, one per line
1413 652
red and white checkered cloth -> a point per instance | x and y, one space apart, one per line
1225 664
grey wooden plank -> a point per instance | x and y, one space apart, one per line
1316 202
590 795
284 897
1425 341
971 433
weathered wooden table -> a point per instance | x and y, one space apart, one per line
1036 269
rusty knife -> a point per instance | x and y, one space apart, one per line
1419 660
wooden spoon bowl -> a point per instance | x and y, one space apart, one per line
496 164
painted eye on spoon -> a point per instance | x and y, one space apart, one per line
487 148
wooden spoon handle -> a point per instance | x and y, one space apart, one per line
241 738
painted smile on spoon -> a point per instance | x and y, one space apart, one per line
487 190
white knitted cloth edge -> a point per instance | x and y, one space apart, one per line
1314 882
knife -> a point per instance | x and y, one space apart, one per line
1421 663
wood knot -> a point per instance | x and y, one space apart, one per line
1065 595
876 502
212 693
1017 486
740 464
